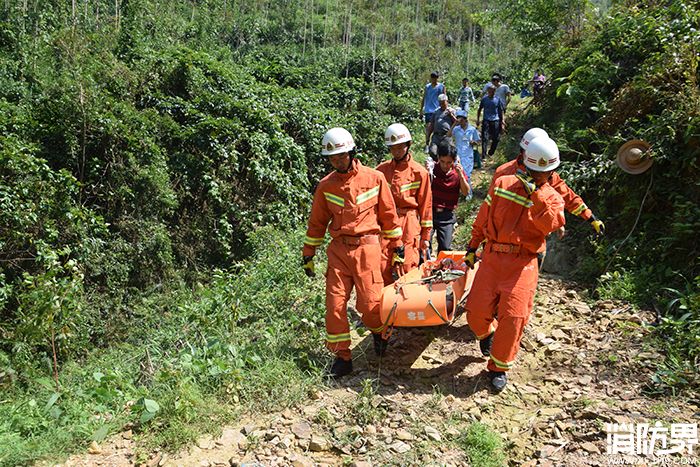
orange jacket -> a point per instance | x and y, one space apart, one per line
507 215
574 203
355 203
410 187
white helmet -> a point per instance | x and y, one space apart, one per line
542 155
337 141
531 134
396 133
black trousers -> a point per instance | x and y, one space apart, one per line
490 129
444 225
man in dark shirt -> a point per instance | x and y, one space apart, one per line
438 127
448 182
493 124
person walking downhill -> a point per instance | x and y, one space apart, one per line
410 187
466 96
501 90
465 136
429 102
443 119
449 181
573 203
356 201
518 213
493 123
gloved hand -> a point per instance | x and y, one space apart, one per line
397 257
598 225
308 266
527 181
470 258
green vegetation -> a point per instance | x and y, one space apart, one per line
147 146
484 448
143 144
246 341
635 74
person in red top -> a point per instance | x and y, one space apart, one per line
410 187
449 180
518 213
574 203
354 203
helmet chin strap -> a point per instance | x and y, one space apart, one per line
405 154
352 157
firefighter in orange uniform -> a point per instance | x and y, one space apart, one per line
355 200
410 187
574 203
518 213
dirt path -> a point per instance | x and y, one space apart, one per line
582 364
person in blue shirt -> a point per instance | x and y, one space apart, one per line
466 95
465 135
429 102
493 123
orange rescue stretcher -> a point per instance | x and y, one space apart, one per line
428 295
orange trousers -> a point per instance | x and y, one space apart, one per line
411 241
501 301
352 261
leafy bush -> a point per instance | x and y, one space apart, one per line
250 340
635 76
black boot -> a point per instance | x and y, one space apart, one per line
340 368
499 379
485 345
380 345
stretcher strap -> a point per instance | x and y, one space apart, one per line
430 302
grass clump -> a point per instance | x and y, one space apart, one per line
483 446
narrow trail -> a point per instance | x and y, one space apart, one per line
583 363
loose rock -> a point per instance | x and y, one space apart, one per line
319 444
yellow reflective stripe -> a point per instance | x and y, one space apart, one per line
579 209
484 336
375 329
313 241
514 197
367 195
395 233
410 186
500 364
426 223
331 198
488 200
333 338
